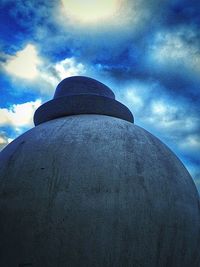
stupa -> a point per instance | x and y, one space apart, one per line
87 187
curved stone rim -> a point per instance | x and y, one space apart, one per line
81 104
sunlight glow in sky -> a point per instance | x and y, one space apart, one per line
90 11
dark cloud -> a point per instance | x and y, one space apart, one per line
183 12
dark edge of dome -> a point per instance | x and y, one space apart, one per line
81 104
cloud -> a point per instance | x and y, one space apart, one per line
172 120
67 36
90 11
113 43
4 140
69 67
134 99
169 115
139 94
112 13
24 64
177 123
197 181
52 74
182 12
30 70
191 143
177 49
193 168
19 115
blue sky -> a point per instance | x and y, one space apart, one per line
148 52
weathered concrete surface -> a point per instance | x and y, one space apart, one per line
96 191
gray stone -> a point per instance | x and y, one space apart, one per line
96 191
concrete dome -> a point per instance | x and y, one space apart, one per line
96 191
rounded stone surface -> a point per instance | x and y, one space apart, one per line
96 191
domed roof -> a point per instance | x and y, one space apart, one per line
82 95
90 188
96 191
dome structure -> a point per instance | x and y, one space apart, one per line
93 189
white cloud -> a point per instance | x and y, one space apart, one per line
19 115
124 17
191 143
90 11
170 116
163 113
177 123
69 67
4 140
24 64
134 98
54 73
138 95
155 110
28 66
172 120
177 49
193 169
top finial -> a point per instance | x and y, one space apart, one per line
78 85
81 95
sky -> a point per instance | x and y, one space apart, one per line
147 52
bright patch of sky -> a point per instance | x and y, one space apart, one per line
19 115
24 64
90 11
